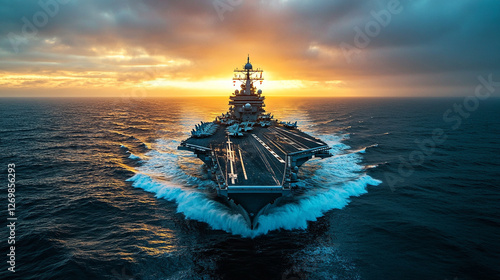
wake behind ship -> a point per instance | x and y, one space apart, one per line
253 158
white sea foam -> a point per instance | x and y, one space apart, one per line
178 176
134 157
131 155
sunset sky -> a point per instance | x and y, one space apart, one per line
184 47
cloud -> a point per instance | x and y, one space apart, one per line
429 44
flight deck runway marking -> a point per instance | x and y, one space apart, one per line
290 141
269 149
243 165
230 157
305 138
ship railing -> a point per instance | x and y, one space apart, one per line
312 150
286 173
196 147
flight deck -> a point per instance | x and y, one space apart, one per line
259 157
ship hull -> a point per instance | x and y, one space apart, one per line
253 158
254 202
251 207
254 171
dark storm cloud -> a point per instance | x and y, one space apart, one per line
452 40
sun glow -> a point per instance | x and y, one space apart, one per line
121 69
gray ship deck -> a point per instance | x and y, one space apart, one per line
258 158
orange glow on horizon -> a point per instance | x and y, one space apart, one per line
190 48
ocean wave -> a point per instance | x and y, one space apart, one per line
132 156
175 176
194 204
363 150
311 207
371 166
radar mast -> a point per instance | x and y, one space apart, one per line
248 102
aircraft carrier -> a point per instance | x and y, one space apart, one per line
253 157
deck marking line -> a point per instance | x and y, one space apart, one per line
269 149
230 155
243 165
297 145
296 134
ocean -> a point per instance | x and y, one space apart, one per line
101 192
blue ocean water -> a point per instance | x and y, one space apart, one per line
102 193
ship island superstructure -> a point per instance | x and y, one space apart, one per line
252 157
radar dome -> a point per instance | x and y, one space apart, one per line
236 91
259 91
248 66
248 106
